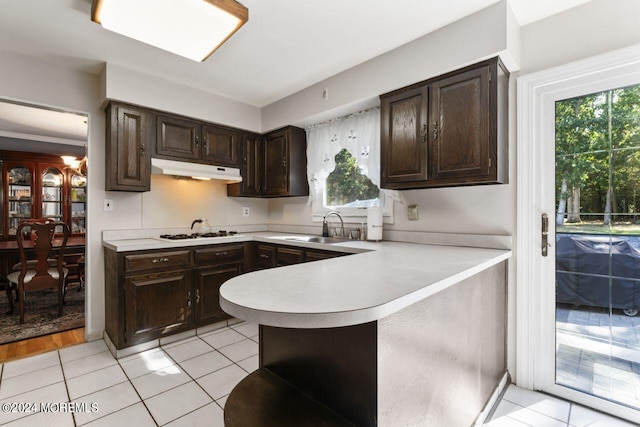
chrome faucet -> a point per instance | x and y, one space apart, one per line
196 221
325 224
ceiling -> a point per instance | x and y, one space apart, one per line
286 45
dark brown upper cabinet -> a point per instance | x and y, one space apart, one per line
285 163
188 140
177 138
220 146
404 129
274 165
128 148
250 167
447 131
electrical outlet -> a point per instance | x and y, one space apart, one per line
108 204
412 212
246 211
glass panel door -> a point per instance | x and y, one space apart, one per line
52 191
78 203
20 196
598 244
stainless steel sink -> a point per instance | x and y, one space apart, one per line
319 239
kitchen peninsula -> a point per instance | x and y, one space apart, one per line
393 334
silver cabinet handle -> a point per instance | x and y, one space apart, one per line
188 298
197 296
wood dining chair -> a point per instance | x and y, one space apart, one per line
46 271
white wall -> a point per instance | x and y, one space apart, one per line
593 28
479 36
132 86
176 203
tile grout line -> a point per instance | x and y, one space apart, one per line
130 381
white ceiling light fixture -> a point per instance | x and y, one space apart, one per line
190 28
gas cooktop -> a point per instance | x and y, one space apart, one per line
220 233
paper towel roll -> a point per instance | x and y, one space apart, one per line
374 223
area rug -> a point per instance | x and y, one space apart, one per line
40 314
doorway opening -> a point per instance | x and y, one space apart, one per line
35 182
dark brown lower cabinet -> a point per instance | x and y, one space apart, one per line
156 305
155 293
208 281
266 255
288 256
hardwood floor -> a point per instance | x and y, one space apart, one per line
33 346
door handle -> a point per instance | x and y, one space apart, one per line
545 234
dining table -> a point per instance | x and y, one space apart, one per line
10 252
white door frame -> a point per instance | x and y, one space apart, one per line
535 299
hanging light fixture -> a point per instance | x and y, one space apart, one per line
190 28
76 165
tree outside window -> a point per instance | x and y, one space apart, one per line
348 186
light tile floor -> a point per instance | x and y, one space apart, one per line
523 408
184 383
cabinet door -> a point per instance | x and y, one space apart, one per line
459 116
177 138
310 255
77 209
220 146
157 305
404 136
275 175
53 197
265 256
289 256
207 297
128 158
19 181
250 168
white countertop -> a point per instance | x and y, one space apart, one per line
378 280
354 289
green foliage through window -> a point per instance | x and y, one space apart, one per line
598 159
347 185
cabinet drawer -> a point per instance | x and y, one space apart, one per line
311 256
266 256
288 256
219 253
156 260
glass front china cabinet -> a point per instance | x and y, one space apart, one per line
41 187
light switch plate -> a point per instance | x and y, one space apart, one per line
412 212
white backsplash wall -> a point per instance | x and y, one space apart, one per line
486 209
177 202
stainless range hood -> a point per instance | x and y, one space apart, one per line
195 170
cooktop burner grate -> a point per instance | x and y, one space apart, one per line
220 233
